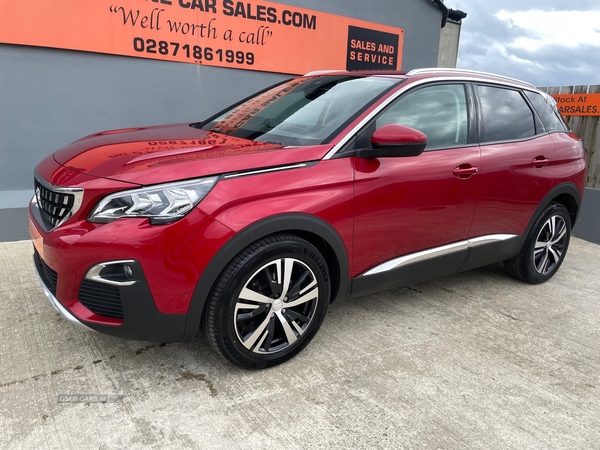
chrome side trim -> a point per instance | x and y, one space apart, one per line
417 257
436 252
60 308
76 192
401 91
490 239
465 71
94 273
257 172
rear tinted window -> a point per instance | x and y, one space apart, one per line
506 115
544 109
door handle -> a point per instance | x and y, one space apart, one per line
539 161
465 171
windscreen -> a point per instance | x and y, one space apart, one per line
303 111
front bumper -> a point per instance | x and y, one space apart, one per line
54 301
167 261
142 321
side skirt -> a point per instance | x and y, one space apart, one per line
437 262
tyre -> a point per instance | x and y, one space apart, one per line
269 302
545 247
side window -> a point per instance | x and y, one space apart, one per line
549 118
506 115
438 111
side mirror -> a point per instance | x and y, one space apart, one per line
395 140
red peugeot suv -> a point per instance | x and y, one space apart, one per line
327 186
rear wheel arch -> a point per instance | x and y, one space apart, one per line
311 228
566 194
569 202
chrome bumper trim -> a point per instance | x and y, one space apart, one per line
58 307
94 273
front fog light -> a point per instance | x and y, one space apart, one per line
163 203
128 272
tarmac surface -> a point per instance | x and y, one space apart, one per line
475 360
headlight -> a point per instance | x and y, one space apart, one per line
164 203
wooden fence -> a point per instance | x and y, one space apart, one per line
587 128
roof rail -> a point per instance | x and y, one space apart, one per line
465 71
323 72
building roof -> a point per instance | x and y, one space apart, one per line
454 15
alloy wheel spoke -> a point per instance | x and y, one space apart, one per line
288 265
256 311
270 333
547 263
309 287
296 316
287 329
541 267
556 254
248 294
313 294
561 234
260 343
273 282
298 329
257 334
295 289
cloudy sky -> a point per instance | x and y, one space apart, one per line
547 43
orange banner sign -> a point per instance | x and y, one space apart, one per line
254 35
578 104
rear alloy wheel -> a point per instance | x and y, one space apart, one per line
545 247
550 245
269 302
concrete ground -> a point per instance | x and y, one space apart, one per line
476 360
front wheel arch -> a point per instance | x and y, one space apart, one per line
311 228
269 302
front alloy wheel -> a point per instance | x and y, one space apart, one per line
269 302
276 306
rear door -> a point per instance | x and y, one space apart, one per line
517 155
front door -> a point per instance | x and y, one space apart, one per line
407 205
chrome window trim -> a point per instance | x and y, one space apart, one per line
94 273
401 91
435 252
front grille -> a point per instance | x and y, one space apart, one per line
55 207
48 276
101 299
